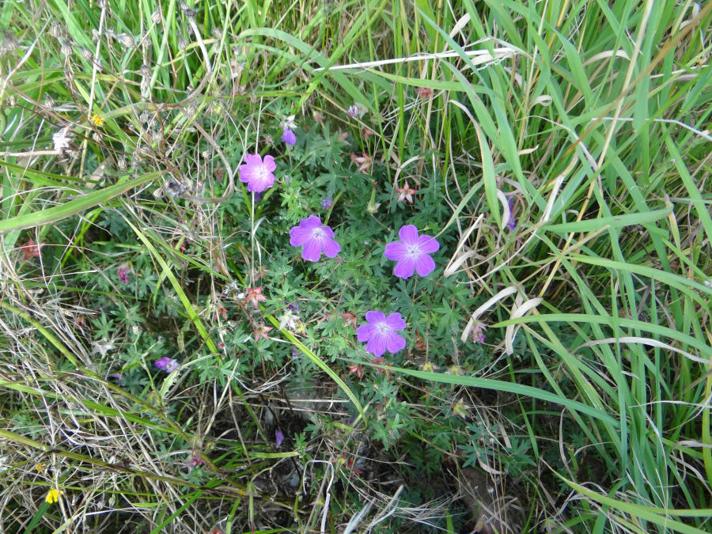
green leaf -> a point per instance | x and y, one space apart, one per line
614 221
73 207
506 387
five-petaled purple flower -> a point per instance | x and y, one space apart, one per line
166 364
314 238
256 173
380 333
289 137
412 253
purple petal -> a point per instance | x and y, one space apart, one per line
310 222
331 248
312 250
327 231
394 251
299 235
247 173
404 268
289 137
261 184
424 265
395 321
269 163
278 437
363 332
408 234
376 345
395 343
373 316
428 244
252 160
166 364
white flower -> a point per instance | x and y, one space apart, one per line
61 140
289 321
103 347
289 123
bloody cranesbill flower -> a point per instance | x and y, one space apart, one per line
380 333
278 438
166 364
412 253
256 173
326 203
314 238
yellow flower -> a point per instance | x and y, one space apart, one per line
428 367
97 120
460 409
454 370
40 467
53 496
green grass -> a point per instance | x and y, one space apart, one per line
584 411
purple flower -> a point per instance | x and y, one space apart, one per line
289 137
166 364
257 174
379 332
355 111
478 333
196 461
512 222
314 238
117 377
122 272
278 437
326 203
412 253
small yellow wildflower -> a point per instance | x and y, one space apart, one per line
428 367
40 467
97 120
454 370
460 409
53 496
